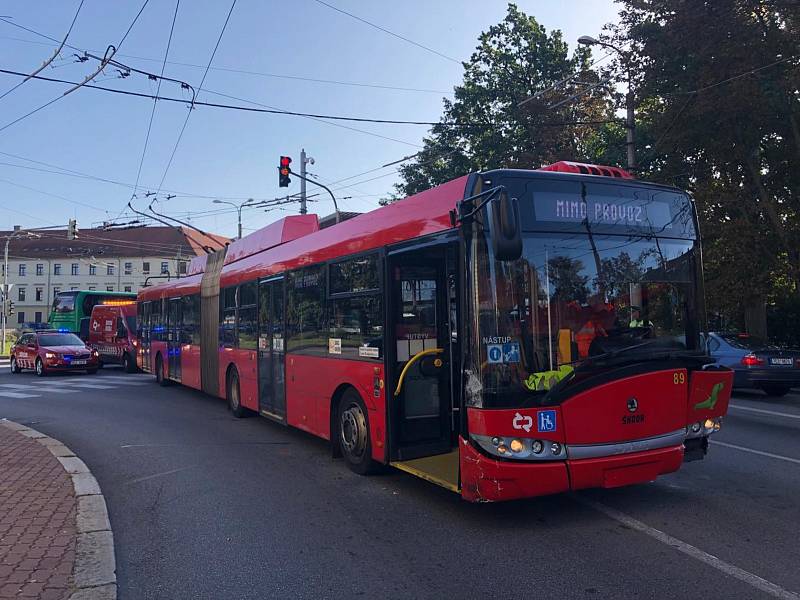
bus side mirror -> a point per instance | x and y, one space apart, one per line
505 227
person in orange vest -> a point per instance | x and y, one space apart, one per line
588 332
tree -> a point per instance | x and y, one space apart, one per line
490 123
720 82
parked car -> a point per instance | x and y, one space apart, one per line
112 332
49 351
756 363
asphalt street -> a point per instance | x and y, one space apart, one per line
204 505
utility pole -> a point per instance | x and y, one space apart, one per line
304 160
238 207
630 99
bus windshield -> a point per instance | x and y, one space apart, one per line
577 296
64 302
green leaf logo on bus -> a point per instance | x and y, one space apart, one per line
711 401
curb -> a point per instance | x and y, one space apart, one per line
94 572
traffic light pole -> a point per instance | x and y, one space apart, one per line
303 179
303 209
5 293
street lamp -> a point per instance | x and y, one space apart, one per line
238 208
6 299
630 123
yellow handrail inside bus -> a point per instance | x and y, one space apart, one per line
413 359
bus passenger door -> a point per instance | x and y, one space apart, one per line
174 338
271 356
420 402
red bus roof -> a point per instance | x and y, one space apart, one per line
282 246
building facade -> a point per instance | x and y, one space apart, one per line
106 260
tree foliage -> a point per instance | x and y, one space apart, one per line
720 80
488 124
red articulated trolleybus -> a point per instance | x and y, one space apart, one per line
505 335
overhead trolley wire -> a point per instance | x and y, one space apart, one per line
47 62
392 33
232 69
110 51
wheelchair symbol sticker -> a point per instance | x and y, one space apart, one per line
546 421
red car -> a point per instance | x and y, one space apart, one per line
50 351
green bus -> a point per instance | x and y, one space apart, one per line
71 310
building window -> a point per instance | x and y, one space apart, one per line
39 294
22 270
164 268
39 269
37 316
21 294
57 269
21 317
127 288
128 268
109 288
55 292
182 267
92 269
145 267
92 288
73 288
75 269
109 269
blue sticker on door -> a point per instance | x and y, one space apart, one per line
546 421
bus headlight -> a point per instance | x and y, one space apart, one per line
712 425
520 448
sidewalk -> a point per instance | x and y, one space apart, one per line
55 538
37 521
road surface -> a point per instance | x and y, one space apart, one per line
204 505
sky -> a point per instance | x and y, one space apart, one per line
268 52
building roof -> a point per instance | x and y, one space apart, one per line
166 242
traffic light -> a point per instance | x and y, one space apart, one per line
10 308
72 229
283 171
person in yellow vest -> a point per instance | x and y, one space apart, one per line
637 320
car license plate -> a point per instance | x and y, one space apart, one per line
78 362
781 362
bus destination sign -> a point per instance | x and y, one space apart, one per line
630 212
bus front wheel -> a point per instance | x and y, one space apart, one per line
353 434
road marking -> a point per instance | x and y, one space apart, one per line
759 452
17 395
751 579
140 479
16 386
764 412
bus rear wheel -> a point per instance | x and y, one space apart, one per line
128 363
353 434
235 395
160 379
